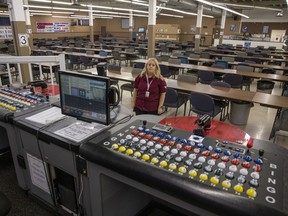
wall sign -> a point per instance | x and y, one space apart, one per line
52 27
23 40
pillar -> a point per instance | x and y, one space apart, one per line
223 19
130 25
91 23
20 36
198 27
151 28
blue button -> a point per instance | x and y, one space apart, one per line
247 158
200 145
236 155
227 153
218 150
184 141
258 161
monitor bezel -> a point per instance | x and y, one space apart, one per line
93 77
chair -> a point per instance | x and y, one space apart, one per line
281 127
206 77
246 80
165 72
130 86
175 100
140 65
187 78
174 70
103 53
118 57
222 102
142 53
222 63
235 80
203 104
88 63
114 69
74 60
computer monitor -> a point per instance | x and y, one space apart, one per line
85 96
141 30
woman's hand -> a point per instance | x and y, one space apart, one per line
160 110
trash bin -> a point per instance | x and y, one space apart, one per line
239 112
265 86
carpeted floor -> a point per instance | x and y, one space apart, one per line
22 204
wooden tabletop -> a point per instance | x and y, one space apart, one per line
276 67
273 101
256 75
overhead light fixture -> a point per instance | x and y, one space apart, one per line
60 2
170 15
221 7
164 8
44 1
247 6
37 6
42 14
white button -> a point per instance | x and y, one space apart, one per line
243 171
211 162
135 139
142 141
166 148
255 175
122 141
192 156
158 146
233 168
174 151
202 159
221 165
128 137
150 143
183 153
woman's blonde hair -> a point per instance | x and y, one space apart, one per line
157 72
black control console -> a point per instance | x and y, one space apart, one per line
221 176
14 103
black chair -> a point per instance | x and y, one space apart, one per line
235 80
203 104
87 62
114 69
246 80
5 205
130 86
223 103
206 77
174 100
165 72
139 65
142 53
75 61
119 57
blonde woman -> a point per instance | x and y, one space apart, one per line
149 90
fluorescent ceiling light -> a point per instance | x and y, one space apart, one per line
43 11
170 15
42 14
44 1
69 9
64 3
221 7
37 6
64 17
163 8
248 6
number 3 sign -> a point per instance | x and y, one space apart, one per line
23 40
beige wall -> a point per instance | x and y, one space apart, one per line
113 26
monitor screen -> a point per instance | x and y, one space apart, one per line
85 96
141 30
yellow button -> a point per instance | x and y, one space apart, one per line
214 180
122 149
193 173
182 169
251 192
13 108
129 151
154 160
163 163
226 184
115 146
203 177
172 166
145 157
238 188
137 154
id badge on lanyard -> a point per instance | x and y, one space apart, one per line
147 93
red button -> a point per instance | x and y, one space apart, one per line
156 139
215 156
134 132
246 165
148 136
141 134
170 143
235 161
257 168
206 153
178 146
163 141
187 148
225 158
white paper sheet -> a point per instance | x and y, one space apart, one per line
48 116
